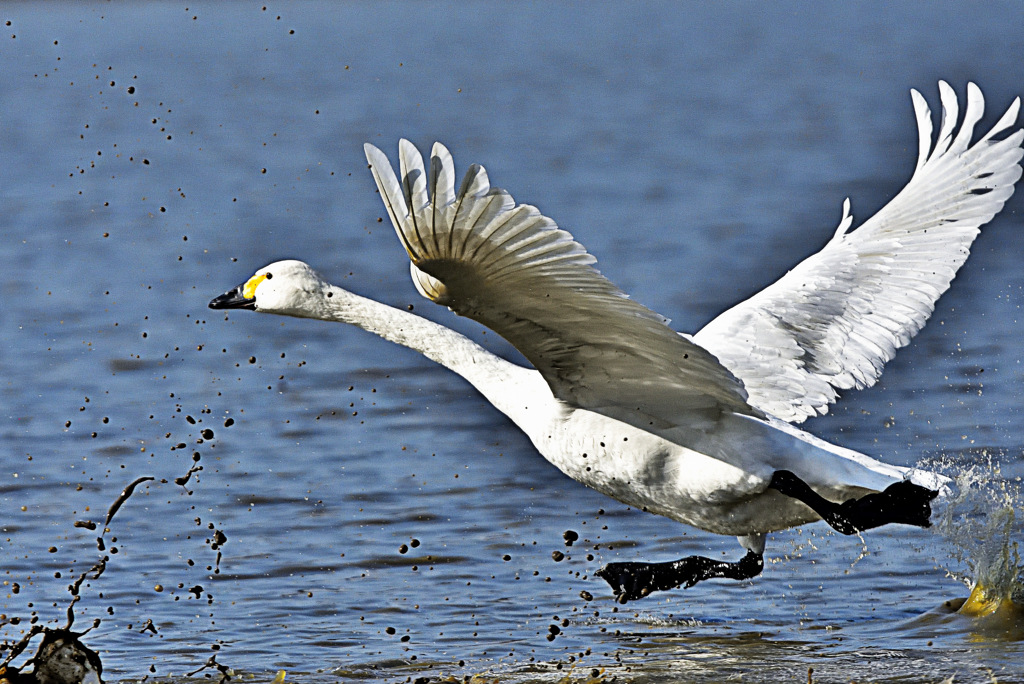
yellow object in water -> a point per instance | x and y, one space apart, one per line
983 602
279 679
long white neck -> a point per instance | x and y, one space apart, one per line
512 389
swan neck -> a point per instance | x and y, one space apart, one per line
503 383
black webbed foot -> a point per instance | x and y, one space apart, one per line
903 502
632 581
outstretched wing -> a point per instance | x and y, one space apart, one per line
513 270
833 321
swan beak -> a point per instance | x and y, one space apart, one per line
234 299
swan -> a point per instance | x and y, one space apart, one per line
699 428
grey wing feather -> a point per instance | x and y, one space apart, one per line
512 269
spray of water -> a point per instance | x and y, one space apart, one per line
982 521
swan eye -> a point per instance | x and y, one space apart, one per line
269 276
330 294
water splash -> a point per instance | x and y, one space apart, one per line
982 521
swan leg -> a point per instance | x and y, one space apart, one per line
903 502
632 581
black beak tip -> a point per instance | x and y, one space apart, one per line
232 299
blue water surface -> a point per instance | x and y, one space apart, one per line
365 514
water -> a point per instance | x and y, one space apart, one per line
698 152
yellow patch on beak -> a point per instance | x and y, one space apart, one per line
249 289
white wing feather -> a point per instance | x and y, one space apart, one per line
513 270
833 321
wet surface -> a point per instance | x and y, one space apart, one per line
355 511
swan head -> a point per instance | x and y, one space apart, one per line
286 287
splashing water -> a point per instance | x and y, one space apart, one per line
981 521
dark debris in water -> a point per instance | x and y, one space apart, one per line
62 657
211 663
125 494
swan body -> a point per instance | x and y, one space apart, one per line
695 428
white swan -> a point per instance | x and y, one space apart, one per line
698 429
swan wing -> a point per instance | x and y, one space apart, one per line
833 321
512 269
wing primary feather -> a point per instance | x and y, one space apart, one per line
390 192
414 184
414 180
950 112
442 176
442 190
1005 121
844 223
975 108
475 185
924 127
475 182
